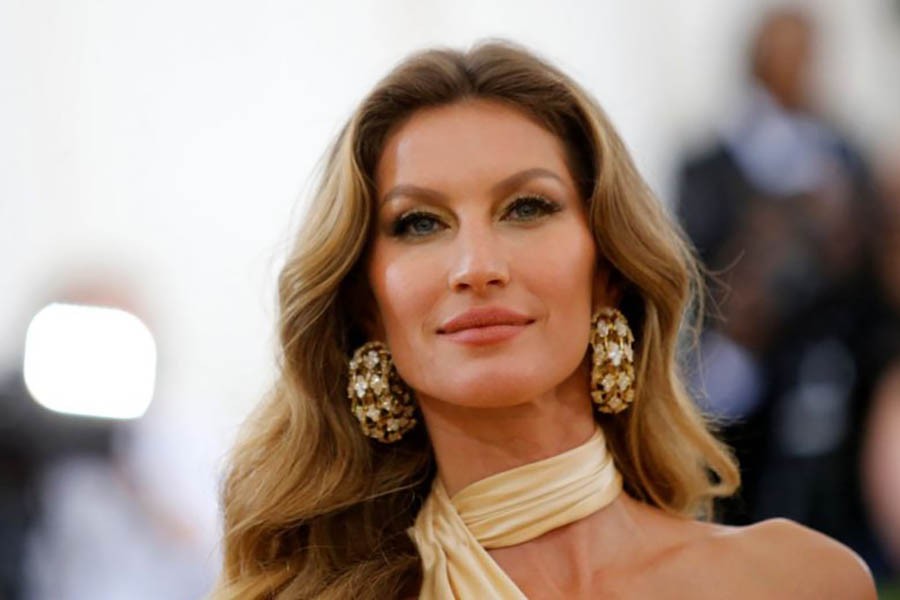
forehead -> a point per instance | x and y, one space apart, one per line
467 142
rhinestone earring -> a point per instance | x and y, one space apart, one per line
612 363
379 398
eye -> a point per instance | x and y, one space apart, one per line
529 208
416 224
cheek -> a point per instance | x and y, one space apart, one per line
563 279
404 289
564 271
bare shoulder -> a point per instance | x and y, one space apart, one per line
792 560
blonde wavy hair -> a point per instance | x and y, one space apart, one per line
312 508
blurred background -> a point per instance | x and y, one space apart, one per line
155 158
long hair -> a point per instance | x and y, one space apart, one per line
312 508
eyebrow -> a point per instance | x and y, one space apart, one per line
508 183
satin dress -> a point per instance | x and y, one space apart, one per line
454 534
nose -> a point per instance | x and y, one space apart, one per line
480 263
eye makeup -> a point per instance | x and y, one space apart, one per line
419 223
531 207
415 223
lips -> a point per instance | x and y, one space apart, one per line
485 325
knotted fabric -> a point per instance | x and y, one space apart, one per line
512 507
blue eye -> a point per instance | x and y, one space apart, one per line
416 224
529 208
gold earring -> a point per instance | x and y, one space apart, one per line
612 363
379 398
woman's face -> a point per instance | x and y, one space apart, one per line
483 266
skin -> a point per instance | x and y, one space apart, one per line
881 462
784 50
492 407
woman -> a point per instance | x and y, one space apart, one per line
463 410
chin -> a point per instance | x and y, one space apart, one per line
494 388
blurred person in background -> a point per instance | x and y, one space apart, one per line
80 515
31 439
106 531
780 210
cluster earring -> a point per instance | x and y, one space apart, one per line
379 398
612 361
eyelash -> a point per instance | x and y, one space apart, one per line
403 224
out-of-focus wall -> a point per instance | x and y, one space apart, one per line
174 140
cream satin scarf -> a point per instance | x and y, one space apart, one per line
512 507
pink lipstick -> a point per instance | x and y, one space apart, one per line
486 325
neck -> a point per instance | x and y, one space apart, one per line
471 443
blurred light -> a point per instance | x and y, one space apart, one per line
90 360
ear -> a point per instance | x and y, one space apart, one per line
607 290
